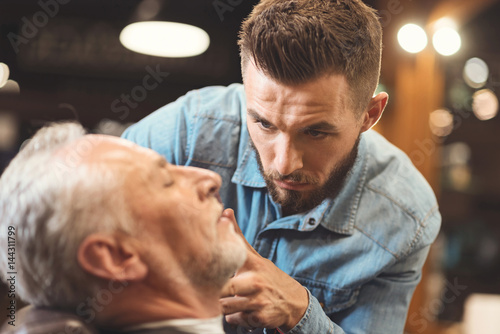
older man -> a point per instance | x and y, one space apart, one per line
112 232
318 194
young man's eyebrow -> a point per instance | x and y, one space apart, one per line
322 126
319 126
255 115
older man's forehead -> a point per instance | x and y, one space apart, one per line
100 148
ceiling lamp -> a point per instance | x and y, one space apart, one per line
165 39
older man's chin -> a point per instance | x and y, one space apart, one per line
235 252
227 258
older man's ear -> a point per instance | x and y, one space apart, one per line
111 258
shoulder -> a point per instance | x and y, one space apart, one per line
214 101
220 102
196 126
398 202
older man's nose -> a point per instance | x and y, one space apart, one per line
206 182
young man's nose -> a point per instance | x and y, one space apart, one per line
287 158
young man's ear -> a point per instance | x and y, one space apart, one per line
374 111
111 258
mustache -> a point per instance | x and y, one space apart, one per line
293 177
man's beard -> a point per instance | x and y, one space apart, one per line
225 260
208 273
293 201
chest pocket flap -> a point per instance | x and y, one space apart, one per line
331 299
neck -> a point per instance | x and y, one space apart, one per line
141 304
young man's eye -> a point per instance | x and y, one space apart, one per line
264 124
316 134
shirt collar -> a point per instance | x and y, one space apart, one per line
341 215
336 215
247 173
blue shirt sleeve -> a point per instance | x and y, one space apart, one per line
315 320
166 130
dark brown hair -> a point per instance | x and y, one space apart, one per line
295 41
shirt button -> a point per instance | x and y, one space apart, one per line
311 221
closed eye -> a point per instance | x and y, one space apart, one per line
166 175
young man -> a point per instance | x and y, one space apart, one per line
341 219
110 231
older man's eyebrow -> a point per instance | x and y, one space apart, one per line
160 161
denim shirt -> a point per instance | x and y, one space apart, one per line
359 255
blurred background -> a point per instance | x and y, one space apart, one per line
73 60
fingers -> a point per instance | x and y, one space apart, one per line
240 311
249 320
241 285
239 319
236 304
228 290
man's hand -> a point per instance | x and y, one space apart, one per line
261 295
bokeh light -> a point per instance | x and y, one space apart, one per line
476 72
441 122
148 9
446 41
458 153
484 104
456 162
8 131
4 74
380 88
460 96
412 38
11 87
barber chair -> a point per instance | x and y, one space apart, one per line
33 320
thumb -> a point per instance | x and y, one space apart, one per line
229 213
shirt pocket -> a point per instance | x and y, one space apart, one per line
213 142
331 299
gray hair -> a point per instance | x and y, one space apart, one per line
53 201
